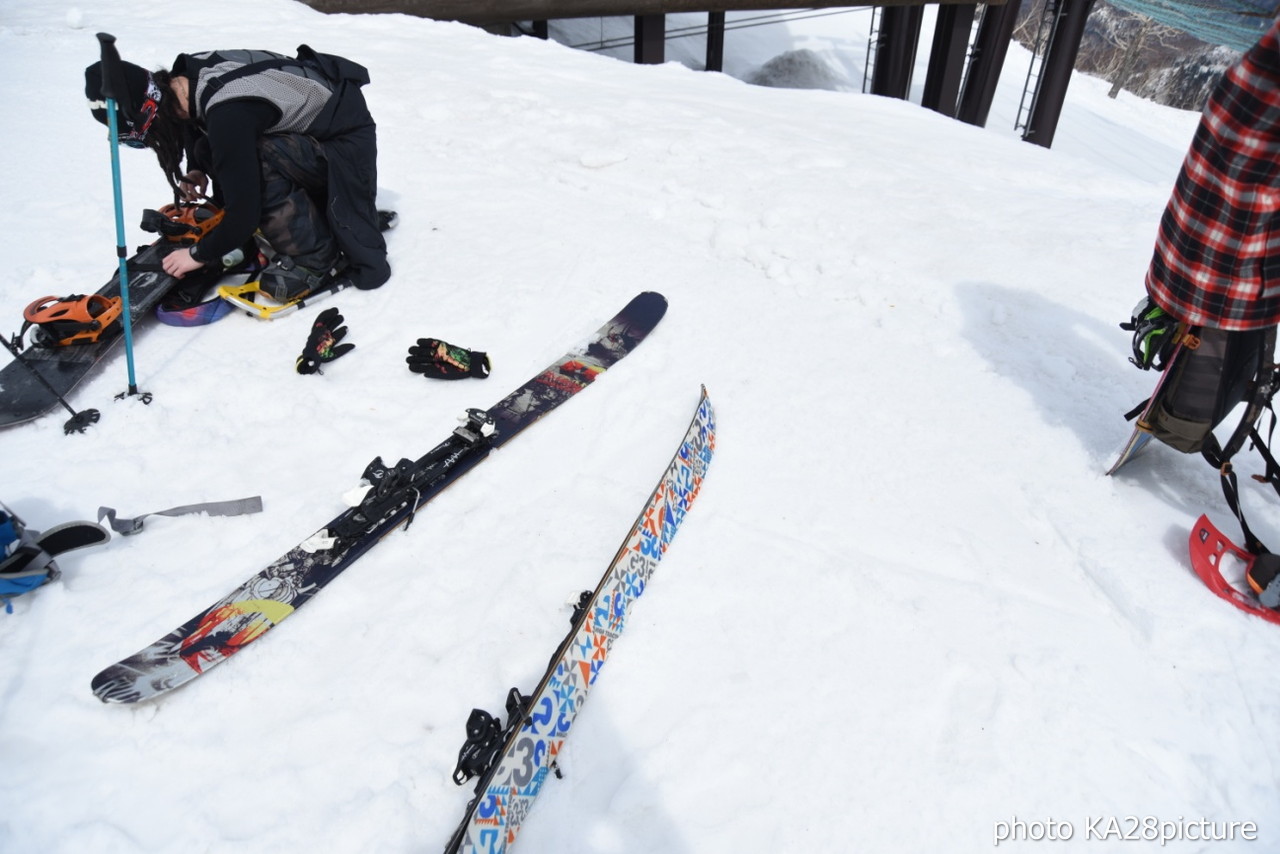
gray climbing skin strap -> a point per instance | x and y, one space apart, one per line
236 507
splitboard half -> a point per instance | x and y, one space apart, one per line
1141 434
24 398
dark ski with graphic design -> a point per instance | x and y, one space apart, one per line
388 496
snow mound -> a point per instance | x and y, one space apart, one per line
800 69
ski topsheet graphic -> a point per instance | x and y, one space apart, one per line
387 496
513 762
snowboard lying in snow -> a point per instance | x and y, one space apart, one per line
23 397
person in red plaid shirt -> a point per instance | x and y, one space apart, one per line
1217 254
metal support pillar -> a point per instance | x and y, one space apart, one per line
896 50
1056 72
715 41
946 58
651 37
994 33
540 30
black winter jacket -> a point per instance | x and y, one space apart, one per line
238 96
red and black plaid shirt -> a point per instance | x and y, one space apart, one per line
1217 255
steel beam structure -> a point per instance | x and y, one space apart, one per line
896 50
946 58
502 11
1055 74
994 33
651 39
715 41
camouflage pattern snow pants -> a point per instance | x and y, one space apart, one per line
294 189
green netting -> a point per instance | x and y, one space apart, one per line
1234 23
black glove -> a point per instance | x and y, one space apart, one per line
322 344
1155 332
434 358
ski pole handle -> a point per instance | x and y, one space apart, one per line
113 85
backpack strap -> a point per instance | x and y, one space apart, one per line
1137 410
1261 391
1212 453
1272 474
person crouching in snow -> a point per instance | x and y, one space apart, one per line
290 148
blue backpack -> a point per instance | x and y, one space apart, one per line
27 557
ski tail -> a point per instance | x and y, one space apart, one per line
512 762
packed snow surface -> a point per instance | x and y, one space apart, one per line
909 613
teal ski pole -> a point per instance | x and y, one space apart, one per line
113 90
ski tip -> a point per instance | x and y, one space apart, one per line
646 308
650 299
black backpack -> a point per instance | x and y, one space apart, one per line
1214 373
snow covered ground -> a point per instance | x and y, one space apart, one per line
908 611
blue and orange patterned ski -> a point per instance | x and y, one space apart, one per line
513 762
